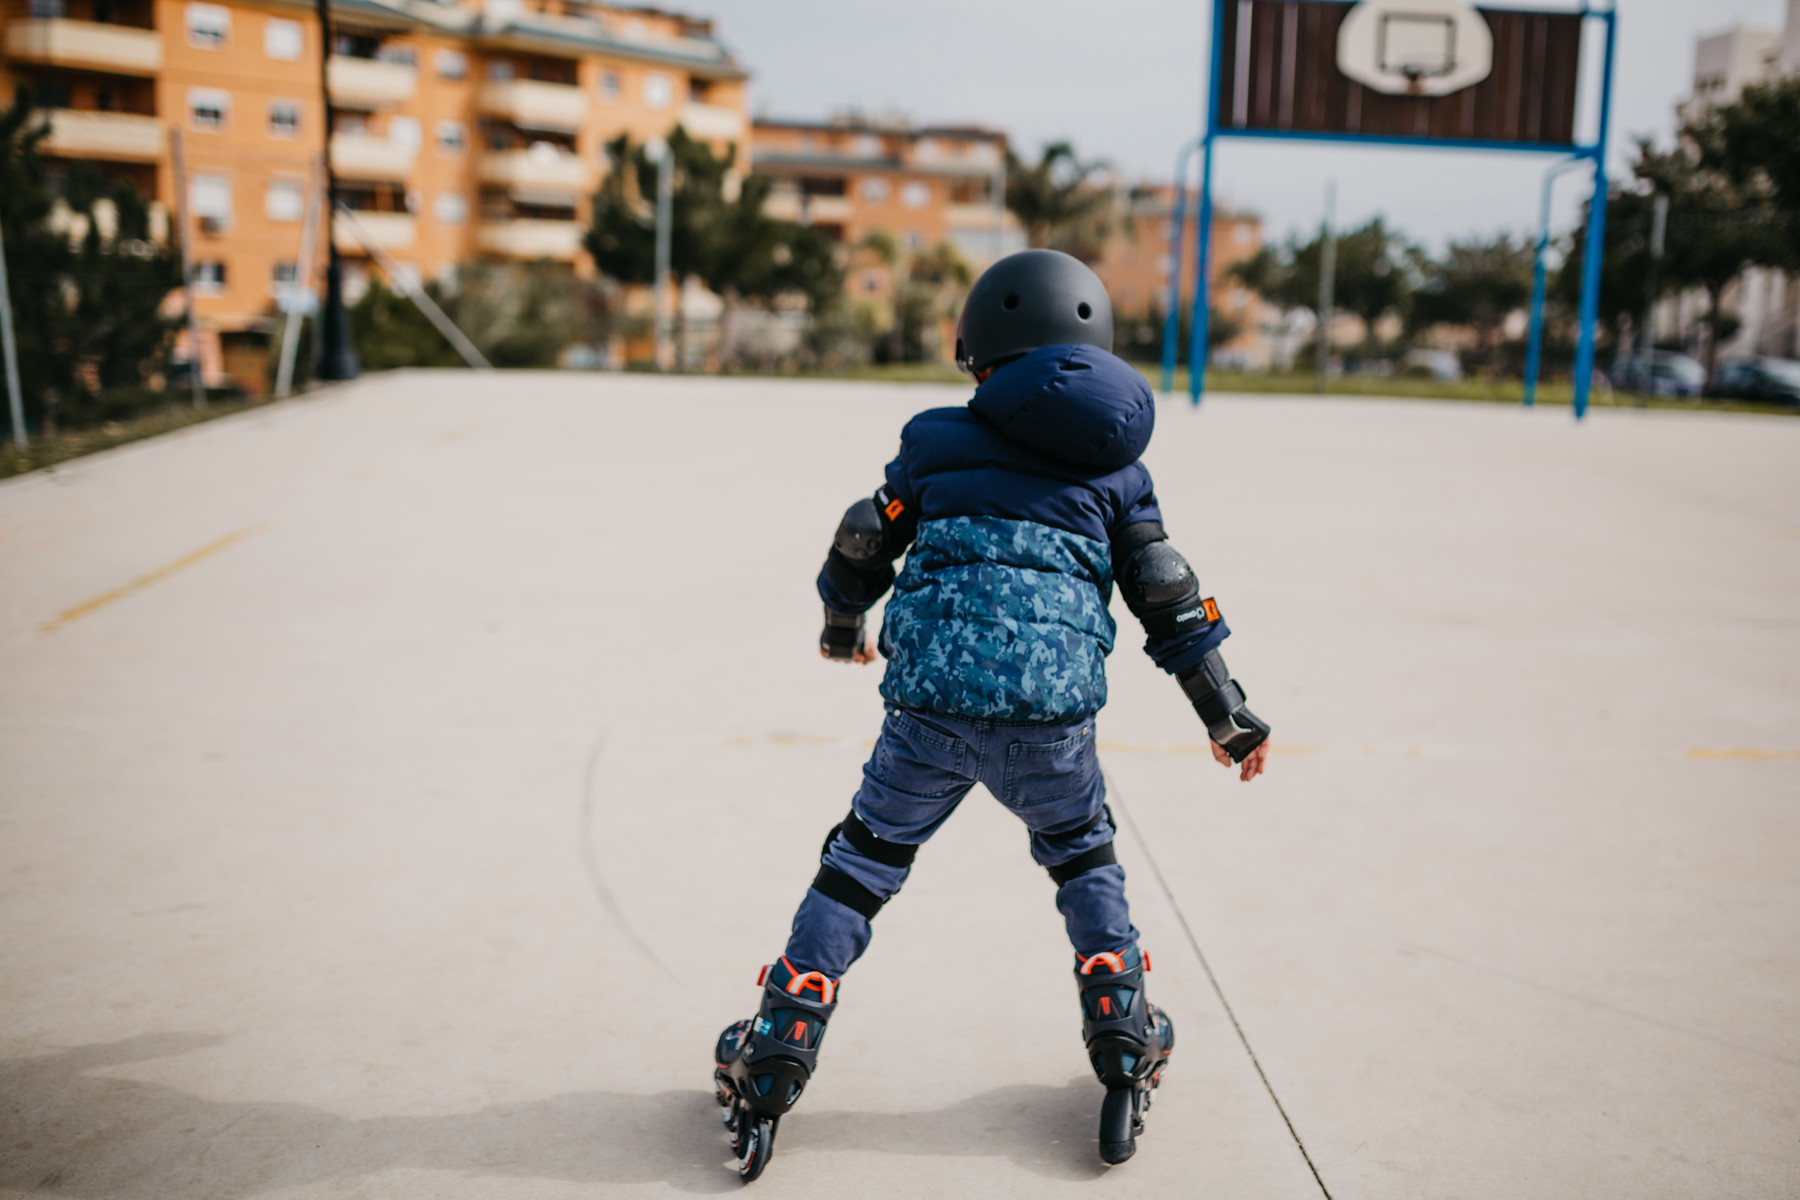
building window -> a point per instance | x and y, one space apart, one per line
915 195
209 108
48 10
282 277
500 71
209 197
609 85
209 277
451 208
875 189
867 145
55 93
403 56
451 64
283 39
284 118
285 200
406 131
208 26
659 90
452 137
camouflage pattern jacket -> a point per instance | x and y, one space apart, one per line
1001 609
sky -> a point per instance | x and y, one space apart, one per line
1123 80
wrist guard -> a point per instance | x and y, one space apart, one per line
1219 699
843 634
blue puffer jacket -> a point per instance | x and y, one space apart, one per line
1001 609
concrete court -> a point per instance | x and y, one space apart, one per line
403 785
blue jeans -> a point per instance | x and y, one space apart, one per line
1048 775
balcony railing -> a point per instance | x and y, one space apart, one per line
540 169
530 239
84 45
360 156
712 121
370 82
388 230
826 208
531 104
974 216
111 136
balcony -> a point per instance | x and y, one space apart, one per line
712 122
826 208
111 136
531 239
541 169
360 156
530 104
973 216
371 83
85 46
782 206
384 230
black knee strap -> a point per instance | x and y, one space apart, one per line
864 841
833 884
1088 860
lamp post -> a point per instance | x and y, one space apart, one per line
337 358
665 198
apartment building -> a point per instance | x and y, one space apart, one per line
1136 261
461 132
854 175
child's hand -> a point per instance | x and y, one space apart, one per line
1254 764
864 653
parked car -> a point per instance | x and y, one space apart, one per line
1666 373
1770 380
1440 365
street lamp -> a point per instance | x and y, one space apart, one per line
337 358
658 151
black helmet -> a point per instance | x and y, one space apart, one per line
1030 299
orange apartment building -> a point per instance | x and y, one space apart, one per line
855 175
1135 266
462 132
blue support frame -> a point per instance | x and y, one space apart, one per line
1177 234
1594 153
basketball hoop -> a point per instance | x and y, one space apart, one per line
1415 47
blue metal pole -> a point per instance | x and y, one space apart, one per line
1172 322
1202 320
1198 332
1594 249
1534 346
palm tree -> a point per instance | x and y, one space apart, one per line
1057 202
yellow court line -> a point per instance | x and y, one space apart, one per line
1741 752
99 602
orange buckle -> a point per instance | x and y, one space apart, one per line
1212 608
1107 957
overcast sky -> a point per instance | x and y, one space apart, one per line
1123 81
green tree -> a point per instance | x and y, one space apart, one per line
723 239
88 284
518 315
1755 143
1479 283
1368 276
1058 202
1719 223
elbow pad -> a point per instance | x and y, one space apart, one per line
1219 699
1160 588
874 532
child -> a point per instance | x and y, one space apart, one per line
1017 513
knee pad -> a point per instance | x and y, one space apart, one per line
1088 860
834 884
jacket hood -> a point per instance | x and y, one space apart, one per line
1074 403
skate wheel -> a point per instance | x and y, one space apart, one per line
757 1143
1118 1125
738 1125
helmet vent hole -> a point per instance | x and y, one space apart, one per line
1084 310
1011 301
